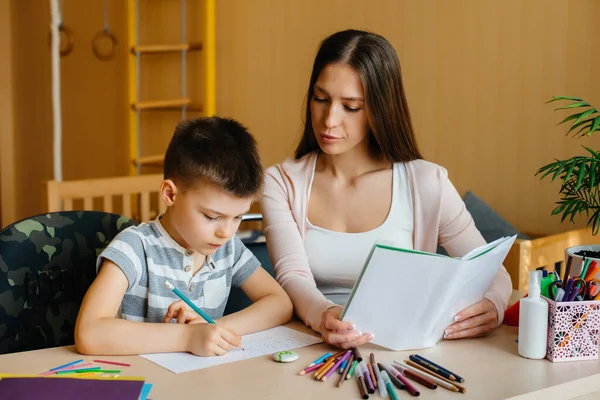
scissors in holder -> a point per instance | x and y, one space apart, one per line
590 290
556 291
580 290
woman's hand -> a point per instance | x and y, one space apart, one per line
476 320
338 333
183 313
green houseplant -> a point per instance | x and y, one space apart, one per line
579 175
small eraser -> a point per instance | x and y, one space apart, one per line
285 356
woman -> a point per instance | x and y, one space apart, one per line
358 177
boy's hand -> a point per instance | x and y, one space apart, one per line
212 340
183 313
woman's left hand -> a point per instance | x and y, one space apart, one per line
476 320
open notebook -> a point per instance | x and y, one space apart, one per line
256 344
407 298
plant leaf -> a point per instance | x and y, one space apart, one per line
551 165
574 105
592 152
596 224
585 114
566 212
550 168
573 162
582 172
592 173
556 98
582 128
595 124
545 174
558 171
570 117
591 220
575 211
577 125
559 208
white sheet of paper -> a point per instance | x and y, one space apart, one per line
256 344
408 299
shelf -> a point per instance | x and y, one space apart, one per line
150 160
158 104
166 48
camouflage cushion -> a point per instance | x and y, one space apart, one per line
47 263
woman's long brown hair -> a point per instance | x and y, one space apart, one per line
391 136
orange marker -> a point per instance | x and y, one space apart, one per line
592 271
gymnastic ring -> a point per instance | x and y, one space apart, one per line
114 44
70 40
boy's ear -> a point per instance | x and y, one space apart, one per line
168 192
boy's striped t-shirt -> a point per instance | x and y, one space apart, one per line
148 257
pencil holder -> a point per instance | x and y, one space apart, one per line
573 329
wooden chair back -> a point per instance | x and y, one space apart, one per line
135 197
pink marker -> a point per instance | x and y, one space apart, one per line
113 363
409 386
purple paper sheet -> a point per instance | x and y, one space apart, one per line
66 389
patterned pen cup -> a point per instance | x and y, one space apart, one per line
573 329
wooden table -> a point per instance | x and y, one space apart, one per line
491 367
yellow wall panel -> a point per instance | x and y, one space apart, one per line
477 75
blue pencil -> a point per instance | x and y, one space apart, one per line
189 302
343 366
318 360
66 365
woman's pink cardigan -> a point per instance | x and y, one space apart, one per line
440 217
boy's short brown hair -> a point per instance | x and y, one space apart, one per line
220 150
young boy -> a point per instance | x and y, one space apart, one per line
212 173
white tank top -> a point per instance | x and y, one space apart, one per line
336 258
